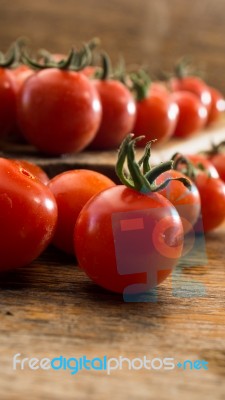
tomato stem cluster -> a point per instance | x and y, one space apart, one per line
142 180
181 163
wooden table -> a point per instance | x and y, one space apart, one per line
51 309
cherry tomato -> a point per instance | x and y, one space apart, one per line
72 190
34 169
28 215
192 114
217 106
218 161
59 111
201 161
185 200
7 101
212 193
194 85
118 114
157 117
159 246
21 74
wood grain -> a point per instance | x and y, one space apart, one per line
153 33
52 309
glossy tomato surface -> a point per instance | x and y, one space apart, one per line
217 106
194 85
212 193
58 111
118 114
186 201
218 161
28 215
34 169
72 190
192 114
157 117
128 240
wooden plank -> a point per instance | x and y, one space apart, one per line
52 309
104 161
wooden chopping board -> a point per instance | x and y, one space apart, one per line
104 161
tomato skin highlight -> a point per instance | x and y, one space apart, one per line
59 111
94 239
217 106
212 193
193 85
72 190
192 114
118 114
186 201
156 117
218 161
7 101
28 215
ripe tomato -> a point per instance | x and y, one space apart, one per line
192 114
217 106
118 114
194 85
34 169
201 161
96 241
212 193
20 74
28 215
185 200
7 101
72 190
58 111
157 117
218 161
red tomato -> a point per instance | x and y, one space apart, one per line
153 254
159 87
217 105
90 71
118 114
200 161
7 101
157 117
212 193
185 200
34 169
20 74
28 215
72 190
218 161
59 111
192 114
194 85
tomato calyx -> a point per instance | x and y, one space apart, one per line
140 84
142 180
215 149
8 59
75 61
186 167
